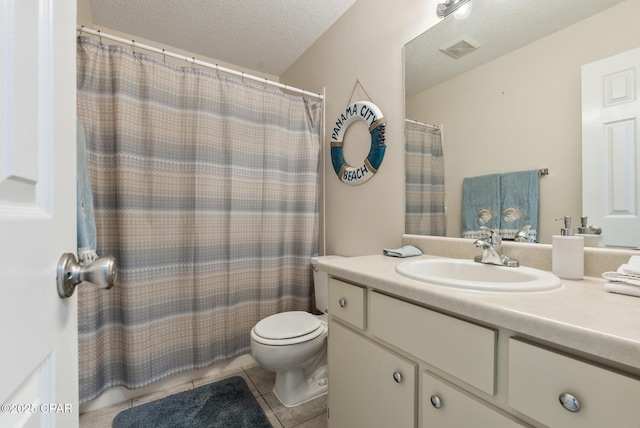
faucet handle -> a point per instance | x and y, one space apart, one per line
494 237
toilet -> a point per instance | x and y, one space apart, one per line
294 345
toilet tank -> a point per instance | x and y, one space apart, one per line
321 283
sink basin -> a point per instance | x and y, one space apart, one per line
470 275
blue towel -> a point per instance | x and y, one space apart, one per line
480 205
519 201
85 220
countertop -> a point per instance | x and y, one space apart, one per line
580 316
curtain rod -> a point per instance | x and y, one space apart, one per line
243 75
415 122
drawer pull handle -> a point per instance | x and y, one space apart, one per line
569 402
397 376
436 401
342 303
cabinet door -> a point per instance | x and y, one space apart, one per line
369 386
444 405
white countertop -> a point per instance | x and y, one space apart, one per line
579 316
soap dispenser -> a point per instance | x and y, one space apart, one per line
591 234
567 252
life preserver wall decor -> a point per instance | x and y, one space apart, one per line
371 114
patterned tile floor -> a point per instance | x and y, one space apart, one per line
312 414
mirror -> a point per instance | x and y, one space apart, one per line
514 103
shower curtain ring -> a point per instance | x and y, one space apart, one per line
164 57
265 83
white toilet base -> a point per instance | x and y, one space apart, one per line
295 387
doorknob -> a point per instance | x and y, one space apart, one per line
101 272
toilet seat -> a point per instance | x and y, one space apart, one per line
288 328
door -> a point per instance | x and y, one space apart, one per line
38 329
610 150
369 386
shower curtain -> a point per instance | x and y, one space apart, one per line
424 185
206 192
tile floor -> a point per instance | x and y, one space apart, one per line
312 414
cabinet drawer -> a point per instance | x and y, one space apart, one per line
346 301
444 405
537 378
462 349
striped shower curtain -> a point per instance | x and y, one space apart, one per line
206 192
424 185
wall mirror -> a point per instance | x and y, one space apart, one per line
514 103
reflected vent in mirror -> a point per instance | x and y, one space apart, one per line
460 47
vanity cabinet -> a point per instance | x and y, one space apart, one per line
394 363
376 345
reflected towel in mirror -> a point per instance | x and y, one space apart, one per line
480 205
519 202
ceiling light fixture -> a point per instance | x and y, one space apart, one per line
460 8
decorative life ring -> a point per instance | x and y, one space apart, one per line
371 114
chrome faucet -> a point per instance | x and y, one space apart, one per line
492 250
524 234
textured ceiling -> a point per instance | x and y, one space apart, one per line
265 36
498 26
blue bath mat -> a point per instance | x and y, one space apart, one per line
224 404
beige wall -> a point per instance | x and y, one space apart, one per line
365 45
523 111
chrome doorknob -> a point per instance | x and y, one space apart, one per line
101 273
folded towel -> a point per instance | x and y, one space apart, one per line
519 196
480 205
629 269
406 251
634 261
625 280
86 224
622 277
619 288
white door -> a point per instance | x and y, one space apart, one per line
610 147
38 329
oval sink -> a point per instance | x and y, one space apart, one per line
470 275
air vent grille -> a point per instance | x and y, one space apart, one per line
460 47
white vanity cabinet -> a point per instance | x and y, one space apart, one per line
378 347
394 363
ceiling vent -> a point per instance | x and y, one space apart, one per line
460 47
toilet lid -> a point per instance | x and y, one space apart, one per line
287 325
